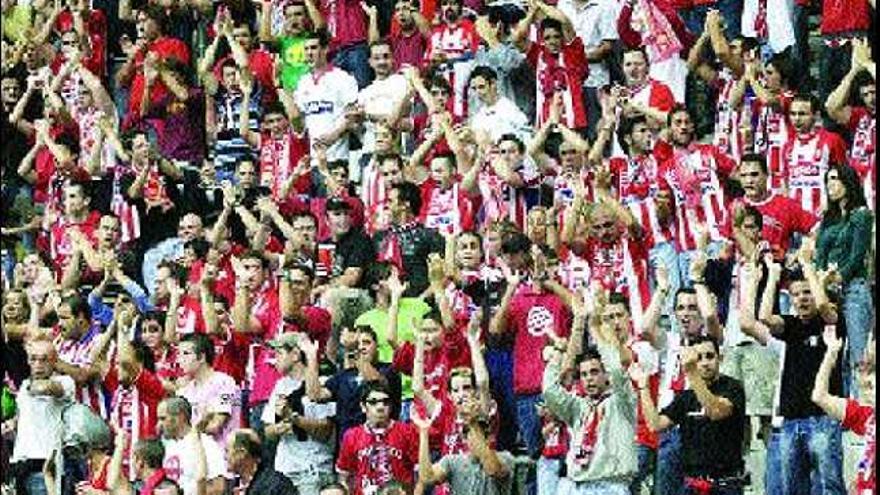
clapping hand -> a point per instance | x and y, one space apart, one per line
832 341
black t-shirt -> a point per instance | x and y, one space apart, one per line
353 250
156 224
710 448
804 350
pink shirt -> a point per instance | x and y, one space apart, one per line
218 394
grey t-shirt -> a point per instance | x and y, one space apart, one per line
465 475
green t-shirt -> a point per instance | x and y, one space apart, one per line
293 60
410 308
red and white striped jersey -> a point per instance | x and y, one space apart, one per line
79 353
374 195
806 158
863 126
621 267
635 183
458 43
501 200
563 73
695 174
727 118
773 130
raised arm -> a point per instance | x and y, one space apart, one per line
832 405
748 323
656 422
705 298
397 289
498 323
717 408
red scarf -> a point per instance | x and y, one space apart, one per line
761 20
590 437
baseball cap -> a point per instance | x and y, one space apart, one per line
337 204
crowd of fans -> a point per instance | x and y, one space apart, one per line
458 247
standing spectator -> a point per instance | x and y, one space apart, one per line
842 24
244 454
853 105
772 86
304 428
808 440
856 416
152 40
594 24
533 312
808 155
406 244
602 455
298 17
711 414
560 68
181 440
842 247
379 451
39 404
213 396
360 366
497 115
492 472
643 93
324 97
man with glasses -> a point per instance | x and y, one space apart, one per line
711 417
379 451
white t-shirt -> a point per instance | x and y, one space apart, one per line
780 22
302 460
379 99
504 117
322 101
39 420
180 461
594 21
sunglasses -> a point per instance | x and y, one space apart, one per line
604 226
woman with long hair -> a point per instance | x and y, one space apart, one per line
844 242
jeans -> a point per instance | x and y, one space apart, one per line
35 484
255 417
858 314
354 59
665 255
647 464
499 361
669 478
529 423
805 456
548 475
529 430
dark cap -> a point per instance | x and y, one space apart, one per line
338 204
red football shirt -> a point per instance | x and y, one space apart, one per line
375 457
